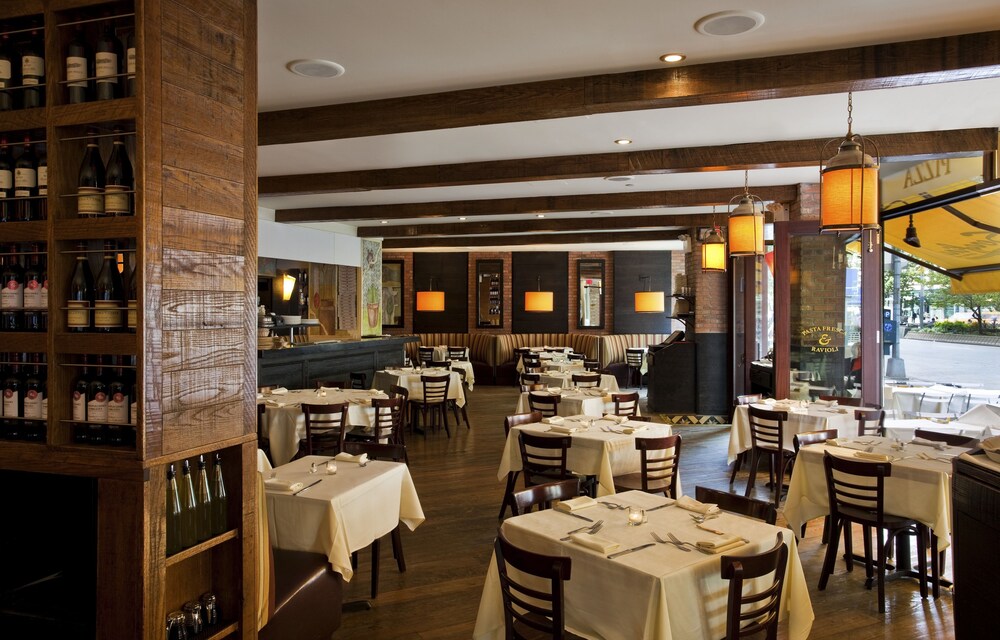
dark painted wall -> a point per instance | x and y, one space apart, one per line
553 268
713 383
629 266
451 275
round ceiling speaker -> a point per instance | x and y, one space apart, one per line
729 23
315 68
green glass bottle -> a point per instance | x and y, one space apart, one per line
173 513
189 508
203 500
219 501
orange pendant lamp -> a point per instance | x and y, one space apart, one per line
713 250
538 301
746 223
647 301
430 300
849 183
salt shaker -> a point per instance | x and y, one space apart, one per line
192 617
209 609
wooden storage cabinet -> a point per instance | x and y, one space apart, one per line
190 132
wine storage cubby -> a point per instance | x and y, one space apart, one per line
22 79
23 389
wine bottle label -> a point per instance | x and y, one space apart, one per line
32 68
130 61
132 412
43 180
90 203
11 399
79 407
78 314
12 295
133 317
25 179
107 314
106 67
45 408
4 74
76 71
116 199
6 179
33 404
33 294
43 296
97 408
118 409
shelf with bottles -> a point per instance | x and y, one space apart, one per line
23 178
22 63
99 54
93 181
23 388
24 294
97 405
98 286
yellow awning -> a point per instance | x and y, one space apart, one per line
959 233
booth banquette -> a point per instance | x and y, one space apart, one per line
482 350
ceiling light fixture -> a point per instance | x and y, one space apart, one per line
619 178
729 23
623 141
538 301
911 235
746 223
462 218
713 250
647 301
848 184
673 58
385 222
315 68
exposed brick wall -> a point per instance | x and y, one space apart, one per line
806 207
712 300
678 266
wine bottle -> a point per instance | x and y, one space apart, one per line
130 86
78 403
173 513
97 404
189 508
33 71
42 204
90 185
118 180
133 410
34 400
109 294
132 317
6 75
219 499
25 183
81 293
13 401
107 64
12 294
35 291
203 498
6 182
77 68
118 404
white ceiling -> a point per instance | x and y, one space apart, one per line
394 48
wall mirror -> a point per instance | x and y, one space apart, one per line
489 293
590 274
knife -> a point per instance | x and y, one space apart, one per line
575 515
669 504
307 486
621 553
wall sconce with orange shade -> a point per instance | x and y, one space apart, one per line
647 301
430 300
538 301
287 287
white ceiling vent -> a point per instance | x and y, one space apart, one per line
729 23
315 68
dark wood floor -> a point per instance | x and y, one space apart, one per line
448 554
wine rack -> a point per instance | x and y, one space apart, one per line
182 238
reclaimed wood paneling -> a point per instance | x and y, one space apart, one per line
185 28
192 191
195 152
198 271
202 232
120 522
203 310
187 429
195 388
198 349
201 114
204 76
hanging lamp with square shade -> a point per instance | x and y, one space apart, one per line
538 301
647 301
430 300
746 223
849 183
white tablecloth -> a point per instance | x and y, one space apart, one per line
597 450
906 401
411 380
284 424
812 417
589 402
345 512
903 429
564 379
660 592
918 489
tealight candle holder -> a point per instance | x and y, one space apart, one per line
636 516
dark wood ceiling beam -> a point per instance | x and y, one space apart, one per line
757 155
545 225
900 64
552 238
533 205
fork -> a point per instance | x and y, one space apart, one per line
690 544
662 541
700 519
591 530
614 505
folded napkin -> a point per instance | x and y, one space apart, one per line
720 544
343 456
600 545
874 457
563 428
275 403
635 429
329 388
555 390
277 484
279 391
575 504
689 503
777 406
614 418
940 446
376 392
260 396
825 403
837 442
554 420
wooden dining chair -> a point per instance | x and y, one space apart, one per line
586 380
461 411
745 399
856 493
626 404
441 364
387 426
633 359
950 439
543 495
426 355
332 384
659 467
752 612
592 365
399 391
530 359
530 378
573 356
458 353
532 610
735 503
359 380
326 428
534 386
844 401
871 422
767 430
807 439
508 422
543 458
434 403
545 403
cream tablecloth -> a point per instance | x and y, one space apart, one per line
345 512
284 424
918 489
906 401
812 417
411 380
903 429
564 379
598 449
441 354
660 592
590 402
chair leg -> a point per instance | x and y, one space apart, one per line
882 552
376 547
867 535
826 530
754 461
937 566
848 546
831 553
922 540
397 550
740 459
508 494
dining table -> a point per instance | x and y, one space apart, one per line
409 377
661 591
564 379
284 424
340 513
802 416
549 356
442 354
601 448
908 401
573 401
903 429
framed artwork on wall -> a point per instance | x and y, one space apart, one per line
392 293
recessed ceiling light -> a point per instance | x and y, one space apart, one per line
462 218
619 178
729 23
672 57
540 215
315 68
623 141
385 222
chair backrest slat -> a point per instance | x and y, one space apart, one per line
738 570
326 427
546 403
626 404
734 503
660 459
530 606
766 428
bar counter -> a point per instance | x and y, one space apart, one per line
299 366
